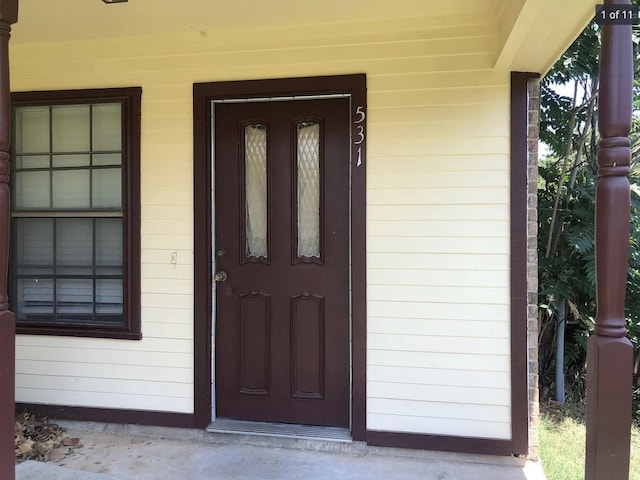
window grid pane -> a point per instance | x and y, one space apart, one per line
67 174
70 130
70 286
32 190
31 130
106 131
71 189
106 188
68 271
27 162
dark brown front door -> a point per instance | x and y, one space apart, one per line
282 241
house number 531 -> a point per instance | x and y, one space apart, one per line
359 133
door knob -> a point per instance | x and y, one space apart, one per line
221 276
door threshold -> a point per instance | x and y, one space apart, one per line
282 430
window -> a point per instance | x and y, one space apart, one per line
75 267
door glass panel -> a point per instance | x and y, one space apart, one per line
255 147
308 165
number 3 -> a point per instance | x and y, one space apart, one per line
360 133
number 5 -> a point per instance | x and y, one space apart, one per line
360 111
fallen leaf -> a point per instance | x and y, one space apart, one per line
70 442
37 439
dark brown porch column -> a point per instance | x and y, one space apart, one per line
8 16
609 353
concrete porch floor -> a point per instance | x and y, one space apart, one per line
111 452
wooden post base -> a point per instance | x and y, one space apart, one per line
7 395
609 397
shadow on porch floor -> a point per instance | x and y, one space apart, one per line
113 452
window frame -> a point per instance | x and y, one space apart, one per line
130 99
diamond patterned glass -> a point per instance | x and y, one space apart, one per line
308 190
255 148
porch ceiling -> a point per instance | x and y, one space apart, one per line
530 34
62 20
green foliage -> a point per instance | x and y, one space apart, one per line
569 273
562 444
578 65
566 272
566 212
555 111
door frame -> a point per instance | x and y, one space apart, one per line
204 94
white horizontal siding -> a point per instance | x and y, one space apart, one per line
91 371
95 385
438 377
444 245
168 271
398 196
456 411
442 425
101 399
438 327
443 212
437 208
120 359
437 343
437 163
151 344
468 362
439 228
438 252
437 393
452 310
437 261
437 294
437 278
